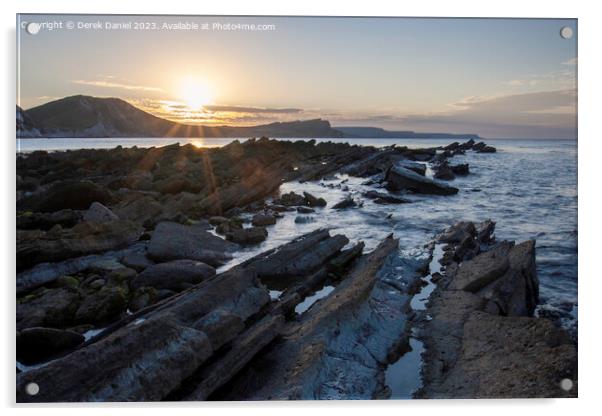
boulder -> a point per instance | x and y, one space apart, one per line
290 199
348 202
262 220
99 213
245 236
48 308
312 201
38 344
174 275
227 226
444 172
481 147
66 195
461 169
143 210
172 241
143 297
137 261
401 179
487 149
485 231
103 306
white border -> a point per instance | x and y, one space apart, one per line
589 188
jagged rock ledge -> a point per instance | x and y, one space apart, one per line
481 338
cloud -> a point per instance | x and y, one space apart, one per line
516 83
562 79
214 114
117 85
572 61
544 114
241 109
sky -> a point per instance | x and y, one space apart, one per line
499 78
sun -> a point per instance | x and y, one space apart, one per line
195 93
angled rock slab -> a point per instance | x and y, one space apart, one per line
399 178
150 357
299 257
339 347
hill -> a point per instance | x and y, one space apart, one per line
85 116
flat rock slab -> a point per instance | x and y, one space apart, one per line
512 357
173 241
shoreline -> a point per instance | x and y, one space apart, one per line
231 191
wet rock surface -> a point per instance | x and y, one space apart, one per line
337 348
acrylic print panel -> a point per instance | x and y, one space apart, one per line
295 208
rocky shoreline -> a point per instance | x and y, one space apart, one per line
125 289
